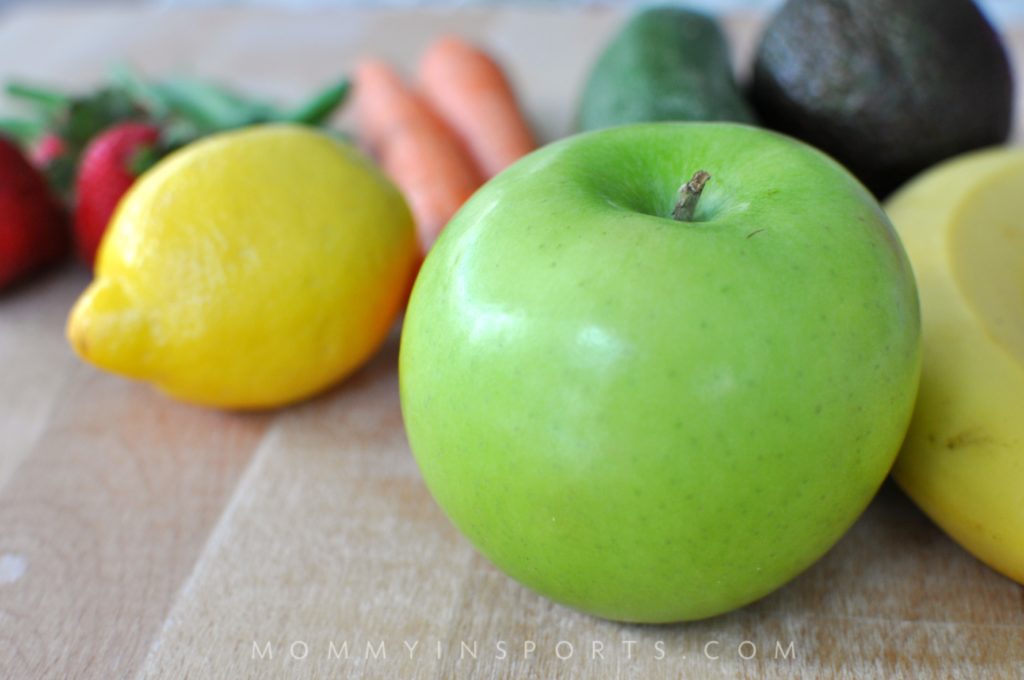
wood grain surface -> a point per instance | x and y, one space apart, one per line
141 538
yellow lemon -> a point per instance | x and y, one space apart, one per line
248 270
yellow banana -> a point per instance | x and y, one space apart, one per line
963 460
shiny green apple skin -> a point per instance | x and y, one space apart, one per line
652 420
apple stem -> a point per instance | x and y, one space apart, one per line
689 194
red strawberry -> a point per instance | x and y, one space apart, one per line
32 226
105 172
49 148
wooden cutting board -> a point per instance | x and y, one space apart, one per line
142 538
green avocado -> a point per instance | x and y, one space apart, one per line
665 64
887 87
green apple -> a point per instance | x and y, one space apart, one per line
657 419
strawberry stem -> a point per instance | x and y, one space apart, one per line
320 107
48 99
144 158
24 131
145 94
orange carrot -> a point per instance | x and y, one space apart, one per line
414 146
470 91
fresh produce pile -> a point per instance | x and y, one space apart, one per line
92 147
652 371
